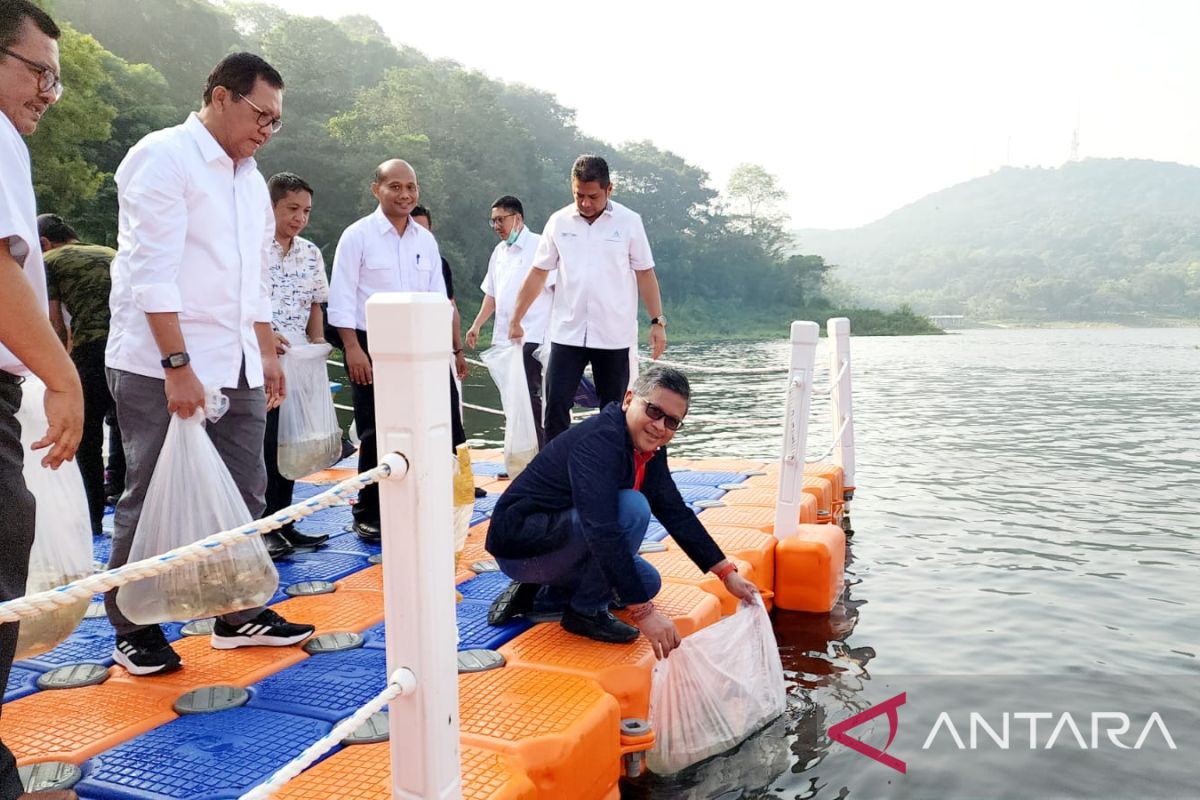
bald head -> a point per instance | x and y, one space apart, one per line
396 189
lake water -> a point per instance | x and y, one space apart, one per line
1027 514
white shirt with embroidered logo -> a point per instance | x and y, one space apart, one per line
18 224
373 257
192 236
506 271
595 293
297 281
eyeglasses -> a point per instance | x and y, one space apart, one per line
495 222
655 413
264 118
48 80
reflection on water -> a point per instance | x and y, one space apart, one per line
1026 505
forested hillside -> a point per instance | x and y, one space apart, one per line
355 98
1115 240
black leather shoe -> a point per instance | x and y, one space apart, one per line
516 600
297 539
602 627
368 531
277 546
479 492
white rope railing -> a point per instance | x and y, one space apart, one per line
829 451
484 409
720 370
828 390
392 464
403 682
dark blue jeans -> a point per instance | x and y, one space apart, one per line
571 576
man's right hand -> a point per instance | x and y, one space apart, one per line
472 336
64 413
515 332
185 393
661 632
358 367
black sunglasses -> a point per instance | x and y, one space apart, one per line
655 413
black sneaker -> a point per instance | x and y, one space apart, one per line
602 627
516 600
268 629
297 539
146 652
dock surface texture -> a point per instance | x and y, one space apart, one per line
546 724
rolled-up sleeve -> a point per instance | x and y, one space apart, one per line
343 288
157 212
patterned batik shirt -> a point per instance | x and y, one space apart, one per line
79 277
297 281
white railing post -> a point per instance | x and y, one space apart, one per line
795 427
409 338
838 329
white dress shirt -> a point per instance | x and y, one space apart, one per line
18 224
192 237
506 271
596 295
372 257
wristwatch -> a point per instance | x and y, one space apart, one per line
661 319
176 360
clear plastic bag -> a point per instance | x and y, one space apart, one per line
506 363
191 496
62 541
720 685
310 438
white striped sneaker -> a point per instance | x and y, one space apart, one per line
145 652
268 629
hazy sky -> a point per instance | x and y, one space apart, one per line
858 108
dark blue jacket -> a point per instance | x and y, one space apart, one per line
584 468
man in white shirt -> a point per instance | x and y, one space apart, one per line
506 272
603 261
191 311
384 251
29 85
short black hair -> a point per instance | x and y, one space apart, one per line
669 378
238 72
421 211
282 183
55 228
510 204
591 169
13 14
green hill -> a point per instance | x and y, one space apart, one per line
1097 240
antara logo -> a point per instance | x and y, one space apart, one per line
838 732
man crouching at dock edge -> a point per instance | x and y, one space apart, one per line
568 529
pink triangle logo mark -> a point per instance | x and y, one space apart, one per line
838 732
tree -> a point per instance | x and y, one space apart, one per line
754 196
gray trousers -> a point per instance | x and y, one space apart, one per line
143 419
16 537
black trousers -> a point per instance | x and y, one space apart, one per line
610 368
367 507
533 379
16 537
279 488
97 404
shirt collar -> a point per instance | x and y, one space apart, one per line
210 149
608 209
522 239
383 225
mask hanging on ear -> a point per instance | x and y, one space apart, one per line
513 236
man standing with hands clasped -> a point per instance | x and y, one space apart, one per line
191 305
603 262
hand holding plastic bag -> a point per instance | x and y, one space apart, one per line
191 496
310 438
719 686
62 541
506 363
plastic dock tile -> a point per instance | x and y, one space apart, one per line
75 724
674 565
201 756
622 670
725 464
328 686
340 611
348 542
303 490
365 580
486 587
696 478
758 517
486 505
204 666
323 565
754 547
656 532
489 468
692 493
563 729
92 642
21 681
475 633
690 607
101 548
765 498
329 520
478 517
